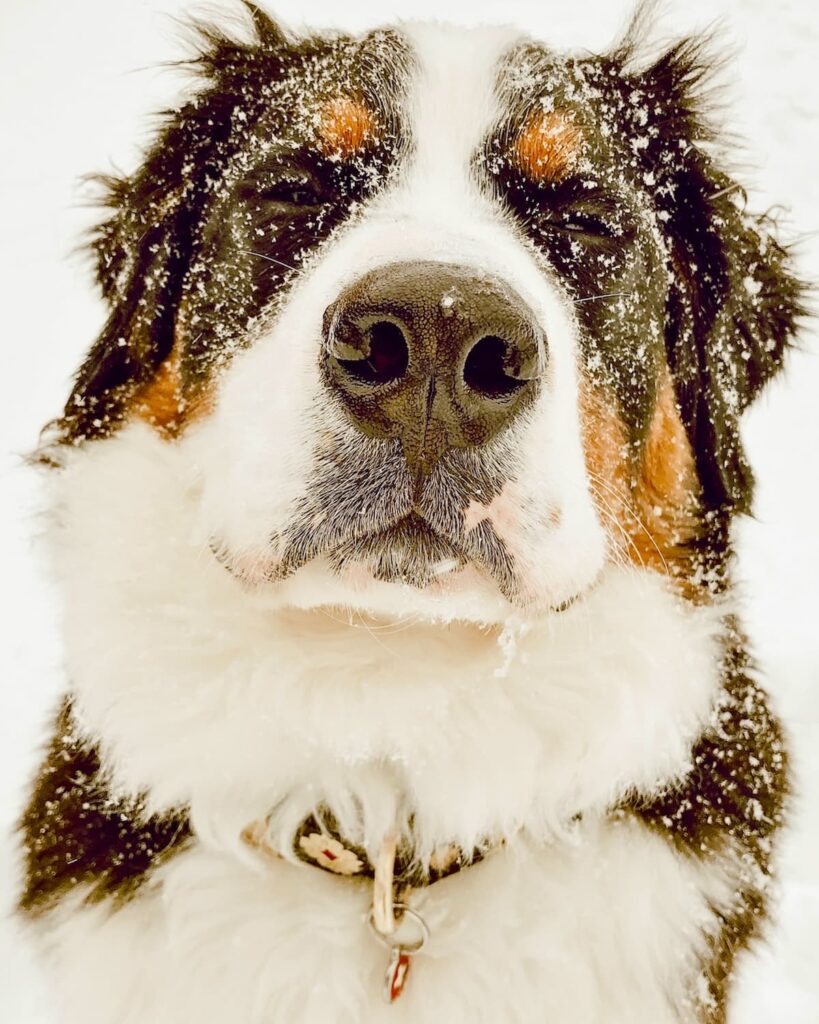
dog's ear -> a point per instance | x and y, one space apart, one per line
733 300
145 250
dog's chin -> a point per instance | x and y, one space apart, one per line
405 571
408 553
444 592
437 593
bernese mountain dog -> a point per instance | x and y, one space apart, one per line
392 515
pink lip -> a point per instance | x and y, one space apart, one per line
501 513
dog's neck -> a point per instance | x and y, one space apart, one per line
201 696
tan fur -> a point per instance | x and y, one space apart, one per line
345 126
648 501
165 404
667 488
548 147
160 402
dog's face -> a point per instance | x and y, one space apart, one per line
446 321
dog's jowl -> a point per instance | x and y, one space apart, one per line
392 513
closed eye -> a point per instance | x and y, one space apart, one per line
291 192
570 209
577 222
292 189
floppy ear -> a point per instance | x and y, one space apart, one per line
145 250
733 301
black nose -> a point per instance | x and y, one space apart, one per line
436 355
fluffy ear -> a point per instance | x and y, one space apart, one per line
733 300
145 250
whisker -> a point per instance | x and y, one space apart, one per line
608 512
396 626
621 496
363 624
391 627
603 295
618 553
270 259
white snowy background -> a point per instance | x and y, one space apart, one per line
78 81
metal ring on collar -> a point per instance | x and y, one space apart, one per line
392 941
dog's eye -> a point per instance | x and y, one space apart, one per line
583 223
572 209
291 192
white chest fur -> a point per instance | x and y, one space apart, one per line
604 929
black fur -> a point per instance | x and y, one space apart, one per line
734 796
734 302
699 282
79 836
212 178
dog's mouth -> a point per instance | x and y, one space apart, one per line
410 552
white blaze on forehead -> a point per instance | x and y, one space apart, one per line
452 105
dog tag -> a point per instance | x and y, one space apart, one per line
401 948
397 971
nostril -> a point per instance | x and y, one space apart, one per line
486 369
386 358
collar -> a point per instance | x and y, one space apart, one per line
319 843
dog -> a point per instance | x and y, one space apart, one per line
392 513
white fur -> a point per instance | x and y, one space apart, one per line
605 929
449 706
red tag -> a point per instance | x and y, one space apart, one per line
397 971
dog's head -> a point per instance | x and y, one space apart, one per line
446 321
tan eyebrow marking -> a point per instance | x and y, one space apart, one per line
346 125
548 147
